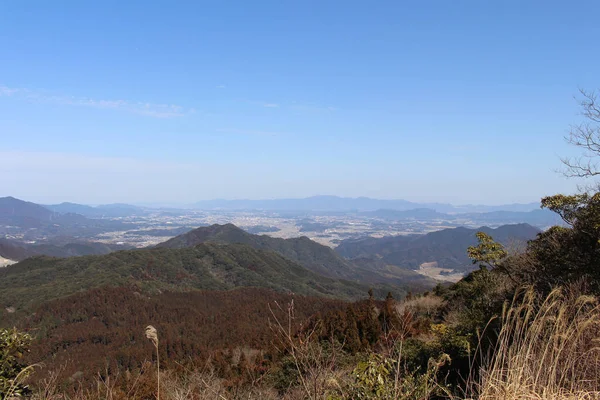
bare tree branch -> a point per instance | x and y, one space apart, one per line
587 137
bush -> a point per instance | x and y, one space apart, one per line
13 346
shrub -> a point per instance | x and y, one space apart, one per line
13 346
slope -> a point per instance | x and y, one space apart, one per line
206 266
18 251
448 247
311 255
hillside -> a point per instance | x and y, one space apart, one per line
93 326
447 247
37 222
206 266
18 251
23 213
311 255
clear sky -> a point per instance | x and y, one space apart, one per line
175 101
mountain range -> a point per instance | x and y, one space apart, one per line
446 248
542 218
336 203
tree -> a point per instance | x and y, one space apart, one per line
488 252
585 135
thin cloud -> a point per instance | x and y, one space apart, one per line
293 106
248 132
139 108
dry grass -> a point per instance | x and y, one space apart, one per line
546 350
421 305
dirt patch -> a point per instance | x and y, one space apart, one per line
431 270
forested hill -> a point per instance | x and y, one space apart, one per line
19 251
206 266
312 255
446 247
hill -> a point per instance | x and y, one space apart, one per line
23 213
208 266
447 248
18 251
311 255
35 221
106 210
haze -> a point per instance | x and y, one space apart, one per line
460 102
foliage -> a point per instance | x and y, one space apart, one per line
96 330
487 252
562 255
206 266
13 346
382 378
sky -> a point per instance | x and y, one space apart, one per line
175 102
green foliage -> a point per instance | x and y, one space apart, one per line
563 255
487 252
13 346
206 266
382 378
373 378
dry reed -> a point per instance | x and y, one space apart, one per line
546 350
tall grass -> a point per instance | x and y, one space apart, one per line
152 335
547 349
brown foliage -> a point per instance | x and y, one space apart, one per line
103 329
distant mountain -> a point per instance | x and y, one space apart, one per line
335 203
418 213
206 266
312 255
541 218
19 251
18 212
447 248
36 221
108 210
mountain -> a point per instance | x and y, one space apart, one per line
447 248
108 210
311 255
335 203
541 218
206 266
18 251
23 213
35 221
13 251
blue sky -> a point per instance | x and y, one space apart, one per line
452 101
